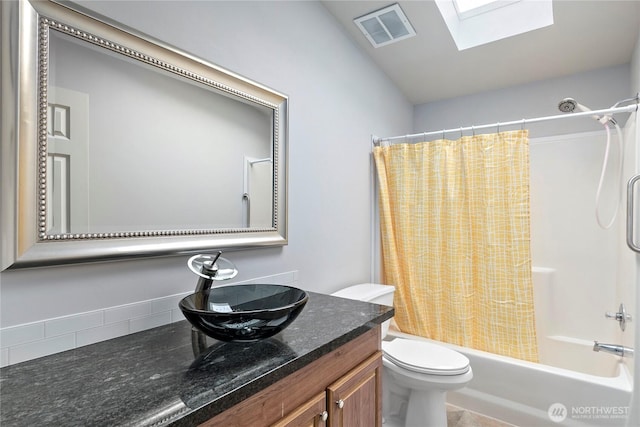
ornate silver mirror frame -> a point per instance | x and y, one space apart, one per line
24 33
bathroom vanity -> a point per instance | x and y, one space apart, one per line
326 364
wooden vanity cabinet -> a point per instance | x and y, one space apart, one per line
354 400
311 414
349 402
344 385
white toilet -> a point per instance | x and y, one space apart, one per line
417 374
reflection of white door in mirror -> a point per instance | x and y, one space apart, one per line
258 182
67 197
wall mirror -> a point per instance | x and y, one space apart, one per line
116 145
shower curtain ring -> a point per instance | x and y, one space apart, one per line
461 135
498 127
522 126
473 131
443 133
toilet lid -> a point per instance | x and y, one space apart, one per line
424 357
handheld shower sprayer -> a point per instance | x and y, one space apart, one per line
568 105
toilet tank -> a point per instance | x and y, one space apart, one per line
370 292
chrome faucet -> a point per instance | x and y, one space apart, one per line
618 350
621 316
208 273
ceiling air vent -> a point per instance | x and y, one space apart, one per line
385 26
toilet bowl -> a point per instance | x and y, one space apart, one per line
416 374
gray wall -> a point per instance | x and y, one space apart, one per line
635 68
296 48
596 89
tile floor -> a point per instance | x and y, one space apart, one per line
458 417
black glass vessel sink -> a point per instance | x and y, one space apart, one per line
243 312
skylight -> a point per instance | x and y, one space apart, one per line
476 22
468 8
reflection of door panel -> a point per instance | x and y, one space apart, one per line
58 194
67 162
258 192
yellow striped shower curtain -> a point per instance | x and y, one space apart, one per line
455 229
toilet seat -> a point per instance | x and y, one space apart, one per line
424 357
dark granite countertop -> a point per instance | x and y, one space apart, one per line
158 377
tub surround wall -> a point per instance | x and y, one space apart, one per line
628 267
565 236
333 112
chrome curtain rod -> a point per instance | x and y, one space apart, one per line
522 122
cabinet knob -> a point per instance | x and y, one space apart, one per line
340 403
324 415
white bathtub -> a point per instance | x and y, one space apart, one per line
524 393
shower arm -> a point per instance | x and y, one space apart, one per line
607 111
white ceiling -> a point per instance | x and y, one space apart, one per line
586 35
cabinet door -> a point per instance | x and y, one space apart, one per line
355 399
311 414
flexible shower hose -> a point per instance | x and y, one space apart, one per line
603 174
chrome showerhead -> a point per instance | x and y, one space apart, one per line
567 105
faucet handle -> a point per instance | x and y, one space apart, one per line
212 267
621 316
